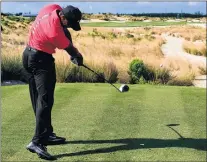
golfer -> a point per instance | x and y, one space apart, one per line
48 32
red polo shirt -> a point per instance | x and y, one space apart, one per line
46 33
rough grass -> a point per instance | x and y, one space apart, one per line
105 55
195 48
182 81
109 50
189 33
11 63
103 125
202 70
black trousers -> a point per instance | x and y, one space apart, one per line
41 76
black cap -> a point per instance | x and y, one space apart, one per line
73 15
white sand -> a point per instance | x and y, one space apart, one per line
173 47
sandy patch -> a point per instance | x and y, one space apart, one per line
174 48
200 81
198 25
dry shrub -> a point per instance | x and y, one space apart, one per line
186 80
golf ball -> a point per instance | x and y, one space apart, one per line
124 88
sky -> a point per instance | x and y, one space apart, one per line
113 7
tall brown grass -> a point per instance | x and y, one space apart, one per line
110 56
202 70
196 49
119 51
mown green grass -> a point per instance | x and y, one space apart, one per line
131 24
101 124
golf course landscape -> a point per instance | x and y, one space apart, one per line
161 118
101 124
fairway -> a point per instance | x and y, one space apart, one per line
101 124
131 24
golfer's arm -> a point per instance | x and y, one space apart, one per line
71 50
67 34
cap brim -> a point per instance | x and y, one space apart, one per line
75 26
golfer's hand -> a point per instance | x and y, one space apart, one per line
78 59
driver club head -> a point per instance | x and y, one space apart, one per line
124 88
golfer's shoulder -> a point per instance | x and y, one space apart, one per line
55 25
48 9
52 25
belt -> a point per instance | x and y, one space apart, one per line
43 55
32 49
37 51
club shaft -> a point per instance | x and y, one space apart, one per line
100 76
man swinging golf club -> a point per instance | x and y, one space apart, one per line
48 32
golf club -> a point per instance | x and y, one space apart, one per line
123 88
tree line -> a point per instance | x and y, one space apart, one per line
178 15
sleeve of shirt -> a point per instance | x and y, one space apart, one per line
59 40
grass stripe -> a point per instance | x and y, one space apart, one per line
194 114
111 136
14 102
162 107
14 112
195 117
168 101
7 91
84 113
127 126
26 133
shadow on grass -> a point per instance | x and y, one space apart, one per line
137 143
